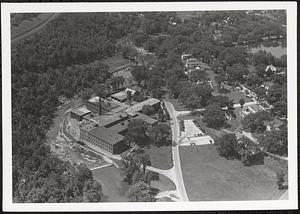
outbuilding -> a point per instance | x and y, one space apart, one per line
79 113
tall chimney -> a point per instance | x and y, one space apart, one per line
99 105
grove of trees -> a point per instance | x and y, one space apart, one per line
242 149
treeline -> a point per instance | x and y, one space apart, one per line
18 18
41 70
241 26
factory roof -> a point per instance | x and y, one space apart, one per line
81 111
120 127
107 135
122 95
89 126
105 120
138 107
145 118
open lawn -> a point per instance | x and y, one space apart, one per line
208 177
113 188
161 157
164 199
163 184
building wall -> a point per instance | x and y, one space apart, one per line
75 116
92 107
98 143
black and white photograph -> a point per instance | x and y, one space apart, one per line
149 106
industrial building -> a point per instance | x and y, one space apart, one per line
120 96
106 131
155 103
101 138
79 113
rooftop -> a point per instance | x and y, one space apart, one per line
107 135
192 60
106 104
145 118
122 95
88 126
81 111
272 67
138 107
120 127
107 119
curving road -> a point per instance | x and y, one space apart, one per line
33 30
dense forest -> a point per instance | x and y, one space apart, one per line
40 73
58 61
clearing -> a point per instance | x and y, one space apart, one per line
163 184
113 187
209 177
161 157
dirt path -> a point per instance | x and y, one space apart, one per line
34 30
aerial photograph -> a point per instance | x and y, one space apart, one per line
150 106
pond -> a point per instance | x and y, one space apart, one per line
277 50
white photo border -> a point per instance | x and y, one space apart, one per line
290 7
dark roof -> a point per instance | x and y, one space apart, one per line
107 135
88 126
145 118
81 111
106 104
122 95
105 120
138 107
120 127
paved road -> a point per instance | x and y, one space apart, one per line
34 30
175 152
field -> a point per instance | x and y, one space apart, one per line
113 188
208 177
161 157
163 184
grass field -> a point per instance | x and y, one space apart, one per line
163 184
113 188
207 177
164 199
160 156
